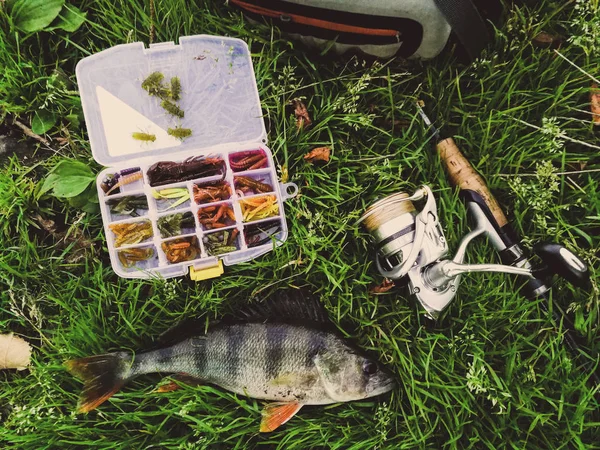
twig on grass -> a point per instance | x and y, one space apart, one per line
152 16
559 135
572 172
577 67
28 131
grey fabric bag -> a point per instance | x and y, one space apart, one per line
381 28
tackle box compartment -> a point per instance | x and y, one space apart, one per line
231 212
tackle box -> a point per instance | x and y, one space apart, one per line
221 211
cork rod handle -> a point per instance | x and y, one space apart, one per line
463 175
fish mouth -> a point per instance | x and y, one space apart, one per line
382 388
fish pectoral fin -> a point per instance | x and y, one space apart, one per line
175 382
169 386
276 414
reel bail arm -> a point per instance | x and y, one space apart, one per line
439 274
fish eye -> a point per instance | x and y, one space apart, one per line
369 367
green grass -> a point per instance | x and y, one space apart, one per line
492 373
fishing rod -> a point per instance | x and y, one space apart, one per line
412 244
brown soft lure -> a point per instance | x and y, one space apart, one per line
167 172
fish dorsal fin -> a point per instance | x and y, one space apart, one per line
185 329
291 305
276 414
296 306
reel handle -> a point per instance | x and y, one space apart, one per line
463 175
561 261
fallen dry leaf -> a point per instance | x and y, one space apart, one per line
75 237
595 103
395 126
318 154
576 166
400 124
46 224
62 140
15 353
303 119
80 245
383 287
547 40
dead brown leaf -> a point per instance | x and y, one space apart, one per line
547 40
15 353
400 124
383 287
73 237
595 103
318 154
303 119
65 139
47 224
576 166
80 245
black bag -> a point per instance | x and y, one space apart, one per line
382 28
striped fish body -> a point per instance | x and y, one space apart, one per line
267 361
285 352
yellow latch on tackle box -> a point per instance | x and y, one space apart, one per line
207 273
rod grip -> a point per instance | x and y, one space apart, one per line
463 175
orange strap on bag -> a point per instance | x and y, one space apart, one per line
311 21
382 28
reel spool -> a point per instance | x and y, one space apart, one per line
391 223
404 237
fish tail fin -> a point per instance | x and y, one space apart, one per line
102 375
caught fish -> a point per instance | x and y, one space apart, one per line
283 350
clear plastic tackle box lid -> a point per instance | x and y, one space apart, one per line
219 97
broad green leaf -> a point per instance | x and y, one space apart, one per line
49 182
69 19
35 15
68 179
68 167
71 186
87 200
79 201
42 121
91 208
94 195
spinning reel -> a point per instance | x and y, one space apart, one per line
412 243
